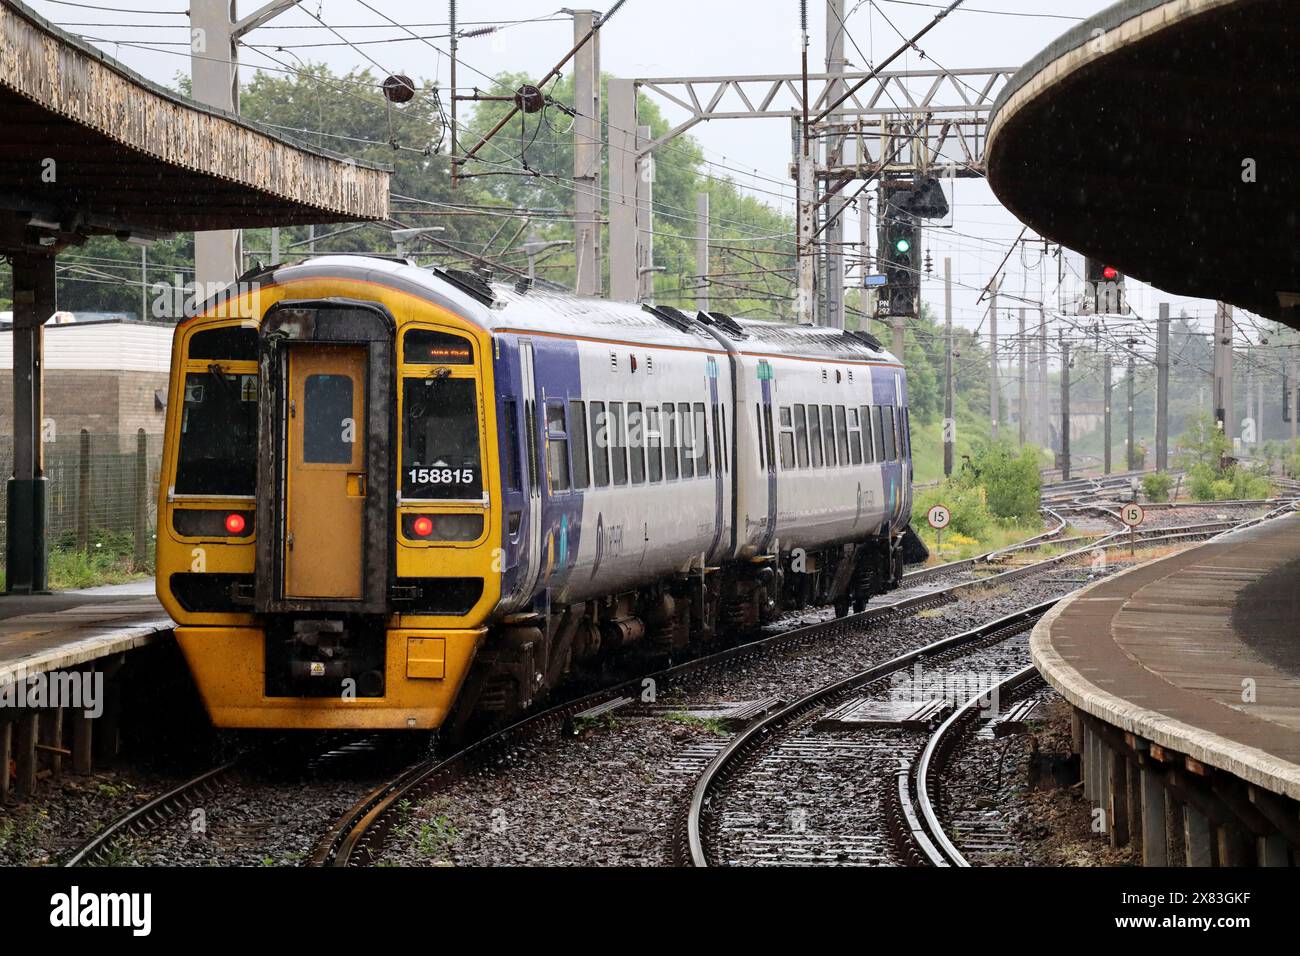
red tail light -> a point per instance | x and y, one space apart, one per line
422 526
235 523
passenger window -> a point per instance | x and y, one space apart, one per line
617 443
578 437
654 444
878 432
670 441
718 428
600 444
891 448
701 440
687 434
801 436
557 448
828 436
842 434
855 437
636 442
815 435
771 437
440 452
511 413
868 453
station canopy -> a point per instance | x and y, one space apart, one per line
1160 137
92 148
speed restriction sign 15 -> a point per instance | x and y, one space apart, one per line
1132 515
939 517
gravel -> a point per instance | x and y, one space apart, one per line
609 796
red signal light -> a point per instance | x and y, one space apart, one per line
422 526
1109 273
235 523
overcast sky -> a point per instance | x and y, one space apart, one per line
657 38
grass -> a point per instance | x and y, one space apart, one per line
710 724
957 547
109 559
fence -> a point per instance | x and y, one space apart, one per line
98 487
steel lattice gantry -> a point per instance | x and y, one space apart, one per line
91 148
928 122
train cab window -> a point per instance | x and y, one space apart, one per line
815 435
232 343
828 436
636 442
557 448
653 444
440 450
842 434
599 444
430 347
686 432
617 425
801 436
218 443
891 446
855 437
671 442
878 432
702 453
578 443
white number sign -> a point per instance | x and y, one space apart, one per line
1132 515
939 517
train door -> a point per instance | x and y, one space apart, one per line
325 477
532 476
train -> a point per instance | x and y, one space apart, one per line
394 496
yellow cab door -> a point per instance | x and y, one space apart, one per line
325 480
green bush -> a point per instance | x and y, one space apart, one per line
1010 480
970 512
1156 486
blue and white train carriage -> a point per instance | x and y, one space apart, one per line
529 481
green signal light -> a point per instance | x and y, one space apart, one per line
903 245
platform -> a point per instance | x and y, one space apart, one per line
1187 669
57 631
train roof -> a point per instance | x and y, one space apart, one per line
547 310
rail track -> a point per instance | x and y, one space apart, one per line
855 721
357 838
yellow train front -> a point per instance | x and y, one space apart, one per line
280 502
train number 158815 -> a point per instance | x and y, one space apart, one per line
441 476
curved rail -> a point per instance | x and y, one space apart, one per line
151 815
691 847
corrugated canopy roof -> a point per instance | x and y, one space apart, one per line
98 149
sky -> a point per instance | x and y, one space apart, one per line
664 38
